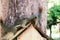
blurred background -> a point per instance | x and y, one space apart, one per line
53 19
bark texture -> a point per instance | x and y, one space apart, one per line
12 11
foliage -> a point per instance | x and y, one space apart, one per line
53 15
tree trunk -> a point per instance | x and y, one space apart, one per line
58 27
26 7
43 19
0 17
3 12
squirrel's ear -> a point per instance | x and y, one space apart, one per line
40 10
